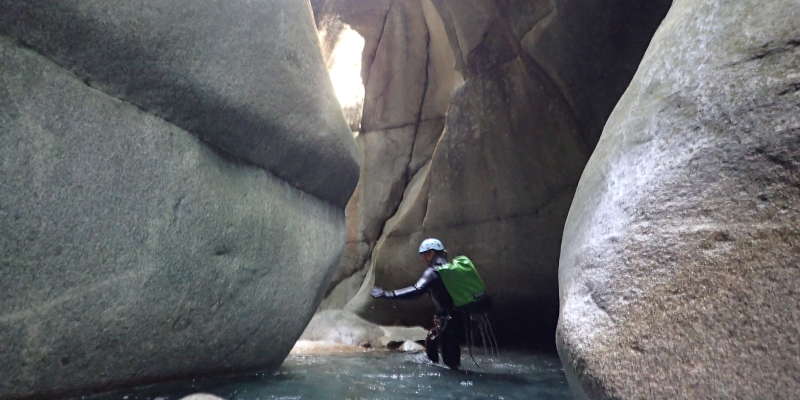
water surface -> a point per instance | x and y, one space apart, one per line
379 375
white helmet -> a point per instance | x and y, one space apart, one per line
431 244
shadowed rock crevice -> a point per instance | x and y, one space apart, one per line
771 49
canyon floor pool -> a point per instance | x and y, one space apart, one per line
379 375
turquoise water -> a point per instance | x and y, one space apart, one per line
379 375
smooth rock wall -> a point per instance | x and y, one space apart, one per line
133 248
408 72
242 76
536 80
679 264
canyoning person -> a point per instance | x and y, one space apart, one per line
459 298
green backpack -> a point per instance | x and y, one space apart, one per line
461 279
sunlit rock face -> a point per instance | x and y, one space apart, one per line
173 182
679 266
525 87
408 73
342 47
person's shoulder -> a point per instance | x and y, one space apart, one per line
430 273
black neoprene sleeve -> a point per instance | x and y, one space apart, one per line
418 288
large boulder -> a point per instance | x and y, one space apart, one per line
679 264
173 180
521 120
243 77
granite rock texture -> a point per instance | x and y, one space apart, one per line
491 161
408 74
679 264
245 76
155 221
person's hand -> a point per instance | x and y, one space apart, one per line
377 293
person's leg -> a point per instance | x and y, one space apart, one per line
451 352
451 342
432 346
433 342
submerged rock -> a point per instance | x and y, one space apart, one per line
201 396
679 267
411 347
173 180
322 347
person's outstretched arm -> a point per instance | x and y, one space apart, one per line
417 289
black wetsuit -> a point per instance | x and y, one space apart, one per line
447 333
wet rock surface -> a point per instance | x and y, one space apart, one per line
679 267
201 396
154 218
345 328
